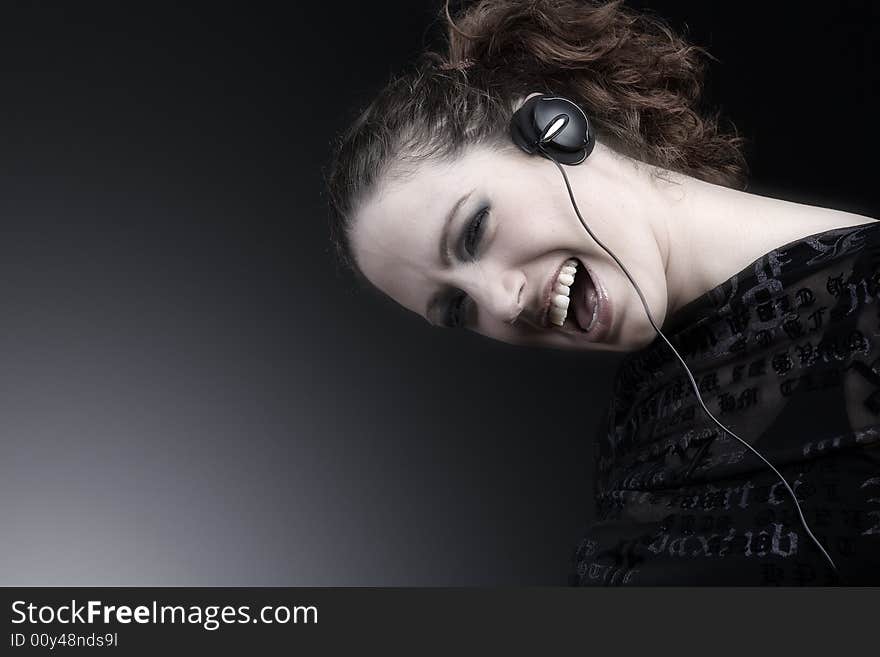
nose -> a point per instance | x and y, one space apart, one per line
501 294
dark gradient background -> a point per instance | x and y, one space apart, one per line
192 394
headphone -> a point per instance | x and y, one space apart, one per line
559 130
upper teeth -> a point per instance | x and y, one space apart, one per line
559 296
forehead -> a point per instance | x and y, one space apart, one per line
396 233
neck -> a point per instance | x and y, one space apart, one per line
705 233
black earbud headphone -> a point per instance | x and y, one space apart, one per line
559 130
555 125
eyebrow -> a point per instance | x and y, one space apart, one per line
445 253
445 257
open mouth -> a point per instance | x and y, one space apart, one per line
584 299
576 302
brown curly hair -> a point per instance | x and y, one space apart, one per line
639 82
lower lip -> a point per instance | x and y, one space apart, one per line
602 325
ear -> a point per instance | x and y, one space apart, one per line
523 130
523 101
554 126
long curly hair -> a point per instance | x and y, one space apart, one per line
639 82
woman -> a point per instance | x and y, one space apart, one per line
768 301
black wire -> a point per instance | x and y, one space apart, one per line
681 360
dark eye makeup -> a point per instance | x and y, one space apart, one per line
474 231
456 309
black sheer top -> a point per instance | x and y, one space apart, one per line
786 353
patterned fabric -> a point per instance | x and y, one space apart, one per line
786 354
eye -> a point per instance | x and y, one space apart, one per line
458 307
455 311
474 232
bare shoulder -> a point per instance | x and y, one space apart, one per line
800 220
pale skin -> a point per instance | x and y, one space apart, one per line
678 236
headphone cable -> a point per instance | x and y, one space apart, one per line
681 360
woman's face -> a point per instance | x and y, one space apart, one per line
485 243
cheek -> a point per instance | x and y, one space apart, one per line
534 228
526 214
544 219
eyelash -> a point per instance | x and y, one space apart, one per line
472 234
475 230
